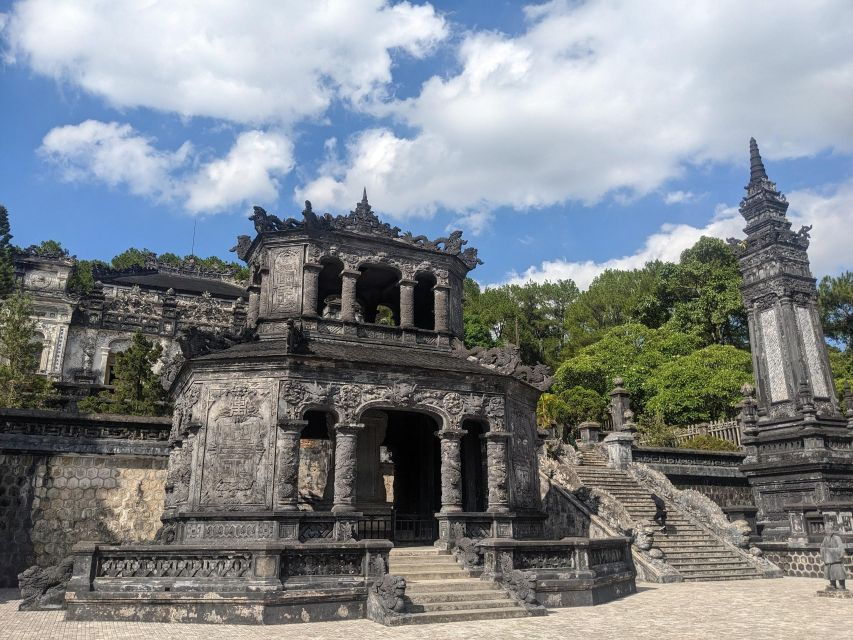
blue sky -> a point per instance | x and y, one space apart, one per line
563 137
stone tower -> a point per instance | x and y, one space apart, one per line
789 356
798 446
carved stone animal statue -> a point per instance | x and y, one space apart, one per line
43 588
242 247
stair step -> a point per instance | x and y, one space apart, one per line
420 561
416 551
416 574
418 587
464 605
456 596
465 615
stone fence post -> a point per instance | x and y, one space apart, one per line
619 454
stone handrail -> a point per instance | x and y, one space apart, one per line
705 513
608 516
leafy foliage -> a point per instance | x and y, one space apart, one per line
48 249
137 388
700 386
529 316
708 443
20 384
655 432
836 308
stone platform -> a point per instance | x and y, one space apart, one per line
686 611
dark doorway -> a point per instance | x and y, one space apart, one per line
414 450
473 469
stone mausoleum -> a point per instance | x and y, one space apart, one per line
352 348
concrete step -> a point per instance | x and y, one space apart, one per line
432 617
718 578
456 596
690 566
417 587
469 605
432 574
420 561
675 554
416 551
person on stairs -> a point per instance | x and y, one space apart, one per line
832 552
660 512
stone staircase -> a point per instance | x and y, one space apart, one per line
695 552
439 590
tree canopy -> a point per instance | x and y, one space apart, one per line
21 386
137 388
836 308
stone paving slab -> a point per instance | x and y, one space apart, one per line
754 609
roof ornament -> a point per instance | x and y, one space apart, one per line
756 165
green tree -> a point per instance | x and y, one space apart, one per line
7 267
20 384
48 249
631 351
82 280
702 295
708 443
130 258
700 386
137 388
615 297
835 295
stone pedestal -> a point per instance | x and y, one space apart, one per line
619 454
590 432
620 402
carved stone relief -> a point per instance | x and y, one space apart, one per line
816 374
286 277
773 355
237 449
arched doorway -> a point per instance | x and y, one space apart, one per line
473 453
399 476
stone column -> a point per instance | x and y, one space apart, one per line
348 280
287 465
310 285
451 469
407 303
496 446
619 450
620 402
346 445
254 306
440 292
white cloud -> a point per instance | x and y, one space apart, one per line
118 156
247 62
830 211
607 96
113 154
247 172
679 197
476 222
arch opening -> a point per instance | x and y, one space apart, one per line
424 301
377 287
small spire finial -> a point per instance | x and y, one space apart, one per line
756 166
364 195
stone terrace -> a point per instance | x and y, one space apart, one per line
755 609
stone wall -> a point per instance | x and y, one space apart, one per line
49 503
726 492
800 562
66 478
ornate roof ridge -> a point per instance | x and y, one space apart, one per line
362 220
188 267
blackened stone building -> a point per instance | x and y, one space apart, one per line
799 446
80 334
354 337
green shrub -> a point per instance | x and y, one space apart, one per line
709 443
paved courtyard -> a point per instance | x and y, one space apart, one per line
754 609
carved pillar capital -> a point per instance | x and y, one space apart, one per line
346 446
348 280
